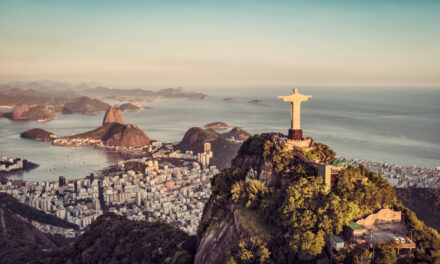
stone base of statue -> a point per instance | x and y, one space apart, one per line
306 144
295 134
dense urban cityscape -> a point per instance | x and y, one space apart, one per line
403 176
162 191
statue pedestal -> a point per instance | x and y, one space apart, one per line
295 134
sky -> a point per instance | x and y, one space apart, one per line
222 43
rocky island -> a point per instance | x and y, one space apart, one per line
217 126
256 102
38 134
230 99
129 107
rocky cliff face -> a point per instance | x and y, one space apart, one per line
217 234
113 115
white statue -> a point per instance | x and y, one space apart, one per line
295 100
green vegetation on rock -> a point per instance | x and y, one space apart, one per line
294 215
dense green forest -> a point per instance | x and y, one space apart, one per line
115 239
425 202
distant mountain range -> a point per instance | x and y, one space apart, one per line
47 88
40 100
169 93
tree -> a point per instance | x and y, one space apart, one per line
385 253
249 193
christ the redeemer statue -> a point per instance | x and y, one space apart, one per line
295 100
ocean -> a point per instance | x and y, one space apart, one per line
395 125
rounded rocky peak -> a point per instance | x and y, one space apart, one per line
113 115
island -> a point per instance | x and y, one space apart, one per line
84 105
129 107
217 126
230 99
256 102
38 134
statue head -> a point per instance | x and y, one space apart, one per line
295 90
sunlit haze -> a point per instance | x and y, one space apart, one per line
222 43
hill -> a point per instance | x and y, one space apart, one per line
115 239
425 202
20 242
224 150
84 105
125 136
114 132
270 206
38 134
117 135
236 134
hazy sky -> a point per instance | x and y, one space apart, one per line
222 43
